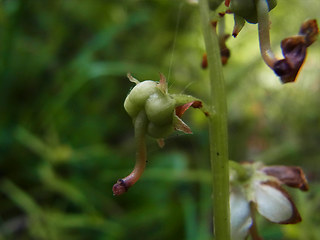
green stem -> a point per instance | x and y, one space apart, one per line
217 129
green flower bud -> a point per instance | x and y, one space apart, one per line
247 8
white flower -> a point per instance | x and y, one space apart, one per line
261 190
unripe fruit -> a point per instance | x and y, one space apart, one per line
152 98
247 8
214 4
160 108
157 131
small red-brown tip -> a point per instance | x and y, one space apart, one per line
119 188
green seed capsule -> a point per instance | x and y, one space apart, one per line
214 4
160 108
247 8
157 131
152 100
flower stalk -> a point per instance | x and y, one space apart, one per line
264 36
217 128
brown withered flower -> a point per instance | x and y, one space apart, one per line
294 49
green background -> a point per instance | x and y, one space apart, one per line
65 138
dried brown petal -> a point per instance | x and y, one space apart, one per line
292 176
309 29
181 109
224 50
294 51
293 48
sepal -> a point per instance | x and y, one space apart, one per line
181 126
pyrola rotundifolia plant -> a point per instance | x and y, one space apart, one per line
239 190
156 113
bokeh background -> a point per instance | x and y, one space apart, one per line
65 137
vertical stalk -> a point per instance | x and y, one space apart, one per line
217 129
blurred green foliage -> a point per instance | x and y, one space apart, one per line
65 137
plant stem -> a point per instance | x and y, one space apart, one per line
264 36
217 129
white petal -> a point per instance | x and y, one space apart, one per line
272 203
240 219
